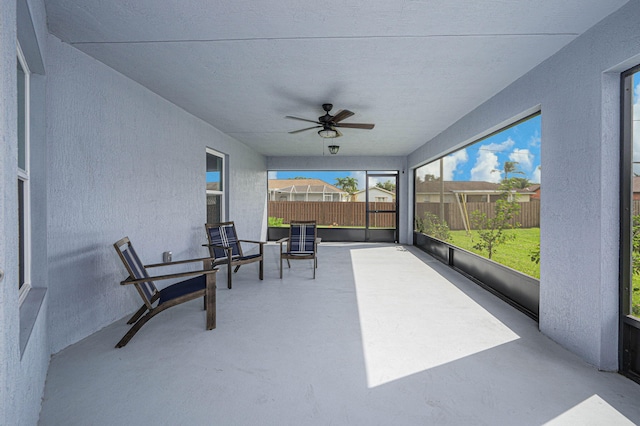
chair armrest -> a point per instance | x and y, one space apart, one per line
228 249
318 240
168 276
282 240
253 241
178 262
217 246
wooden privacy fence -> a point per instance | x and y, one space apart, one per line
329 213
529 216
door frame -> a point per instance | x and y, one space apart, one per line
381 235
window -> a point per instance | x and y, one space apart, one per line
631 195
336 199
215 187
24 223
485 198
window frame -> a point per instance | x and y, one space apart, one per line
23 175
223 182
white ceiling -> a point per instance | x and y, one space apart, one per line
412 67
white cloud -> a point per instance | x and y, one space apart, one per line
487 167
272 175
450 164
536 175
524 158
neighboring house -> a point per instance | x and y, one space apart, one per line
375 194
467 191
535 188
304 190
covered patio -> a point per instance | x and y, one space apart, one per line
111 111
384 335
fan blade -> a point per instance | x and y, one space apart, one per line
302 130
355 125
301 119
341 115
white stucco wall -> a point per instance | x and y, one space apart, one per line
578 92
9 351
126 162
23 374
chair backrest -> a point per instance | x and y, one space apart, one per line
302 236
223 234
136 270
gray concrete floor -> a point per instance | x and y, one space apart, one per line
385 335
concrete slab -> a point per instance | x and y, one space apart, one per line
384 335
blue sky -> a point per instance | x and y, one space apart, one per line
482 161
327 176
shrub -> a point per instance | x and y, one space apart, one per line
275 221
433 226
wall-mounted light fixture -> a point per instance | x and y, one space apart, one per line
333 149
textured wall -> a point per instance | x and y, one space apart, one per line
125 162
578 91
22 376
9 337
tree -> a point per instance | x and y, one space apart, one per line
348 184
492 230
510 167
388 185
520 182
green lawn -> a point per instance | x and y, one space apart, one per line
515 254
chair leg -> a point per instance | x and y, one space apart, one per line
137 315
261 273
210 301
229 274
280 267
237 267
314 269
133 330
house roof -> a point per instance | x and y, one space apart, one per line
317 186
462 186
377 188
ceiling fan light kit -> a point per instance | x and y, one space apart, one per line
328 133
329 123
333 149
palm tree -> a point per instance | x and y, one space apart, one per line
348 184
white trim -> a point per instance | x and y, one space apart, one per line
23 175
223 182
24 290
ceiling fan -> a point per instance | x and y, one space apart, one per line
329 122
